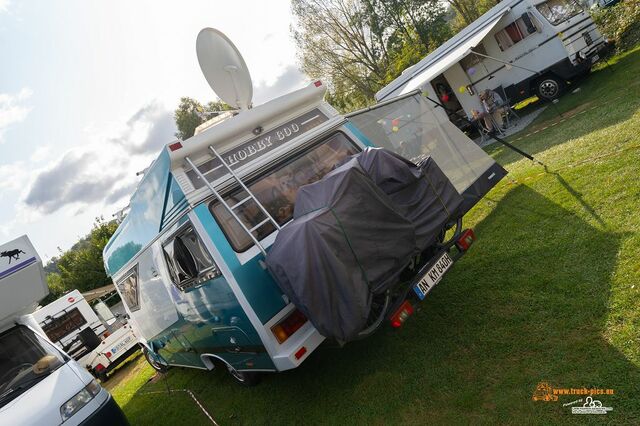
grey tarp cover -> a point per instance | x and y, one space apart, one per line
354 232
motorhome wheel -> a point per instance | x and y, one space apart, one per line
244 378
550 87
153 361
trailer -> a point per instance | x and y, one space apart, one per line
73 325
39 383
519 48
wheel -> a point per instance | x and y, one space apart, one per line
244 378
550 87
155 360
103 377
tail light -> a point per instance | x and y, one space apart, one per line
466 239
292 323
108 354
99 368
300 353
401 315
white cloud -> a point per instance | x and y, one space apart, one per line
40 154
103 172
289 80
4 5
12 107
12 177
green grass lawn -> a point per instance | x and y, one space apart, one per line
549 292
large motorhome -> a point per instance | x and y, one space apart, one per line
39 383
189 257
519 48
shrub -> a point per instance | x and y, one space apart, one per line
620 23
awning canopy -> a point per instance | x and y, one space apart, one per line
99 292
424 73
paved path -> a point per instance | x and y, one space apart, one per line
517 126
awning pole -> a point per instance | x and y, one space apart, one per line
492 134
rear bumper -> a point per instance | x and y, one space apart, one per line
121 358
109 414
309 338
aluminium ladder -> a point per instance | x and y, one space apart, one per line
231 209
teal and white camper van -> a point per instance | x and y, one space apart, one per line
189 257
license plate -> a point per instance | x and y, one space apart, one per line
433 276
121 345
594 59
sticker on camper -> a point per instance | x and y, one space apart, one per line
259 146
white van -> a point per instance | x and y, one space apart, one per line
40 384
518 48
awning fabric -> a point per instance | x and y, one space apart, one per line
453 56
97 293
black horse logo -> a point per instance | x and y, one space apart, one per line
12 254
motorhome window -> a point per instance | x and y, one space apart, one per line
558 11
277 189
20 350
187 259
59 327
129 289
471 60
514 33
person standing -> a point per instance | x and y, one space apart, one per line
492 106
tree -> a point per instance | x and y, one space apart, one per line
353 44
81 267
191 113
468 11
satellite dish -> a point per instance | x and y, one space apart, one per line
224 68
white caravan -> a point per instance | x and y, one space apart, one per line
40 384
518 48
74 326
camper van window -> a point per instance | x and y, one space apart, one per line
558 11
277 190
57 328
472 59
25 359
514 33
188 260
129 289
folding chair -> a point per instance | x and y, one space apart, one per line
507 108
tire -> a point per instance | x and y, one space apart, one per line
153 362
550 87
103 377
244 378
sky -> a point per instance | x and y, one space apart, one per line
87 93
